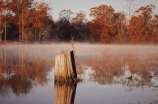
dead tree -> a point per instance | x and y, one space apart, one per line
65 69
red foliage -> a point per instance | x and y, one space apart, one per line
104 26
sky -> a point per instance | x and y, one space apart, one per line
85 5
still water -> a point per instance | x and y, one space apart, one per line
111 74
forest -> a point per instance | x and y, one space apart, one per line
29 21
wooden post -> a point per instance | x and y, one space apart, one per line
65 69
64 93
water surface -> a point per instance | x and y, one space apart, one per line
27 74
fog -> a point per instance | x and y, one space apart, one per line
82 51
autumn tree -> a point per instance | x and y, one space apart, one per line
31 18
80 17
81 29
154 27
21 9
5 16
39 19
122 28
140 30
1 11
104 25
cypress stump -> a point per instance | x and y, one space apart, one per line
65 68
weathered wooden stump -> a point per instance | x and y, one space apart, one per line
65 69
64 93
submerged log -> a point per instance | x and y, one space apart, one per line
64 92
65 69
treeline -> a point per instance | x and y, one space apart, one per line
23 20
29 21
108 26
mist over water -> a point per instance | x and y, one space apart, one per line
47 52
27 74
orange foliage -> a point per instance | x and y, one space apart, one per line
155 29
80 17
104 23
140 26
21 9
28 15
94 28
39 18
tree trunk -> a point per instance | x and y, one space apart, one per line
1 29
22 28
0 37
19 33
35 34
65 69
5 27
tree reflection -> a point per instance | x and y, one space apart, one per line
106 67
110 67
20 71
22 77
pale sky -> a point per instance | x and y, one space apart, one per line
85 5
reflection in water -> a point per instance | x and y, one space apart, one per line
64 93
21 75
116 67
24 67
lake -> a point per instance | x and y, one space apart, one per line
111 74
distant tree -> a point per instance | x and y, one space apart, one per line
104 24
80 27
122 29
140 29
31 18
64 25
66 14
5 16
130 6
20 9
80 17
95 28
1 11
154 27
39 19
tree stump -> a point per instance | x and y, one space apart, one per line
65 69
